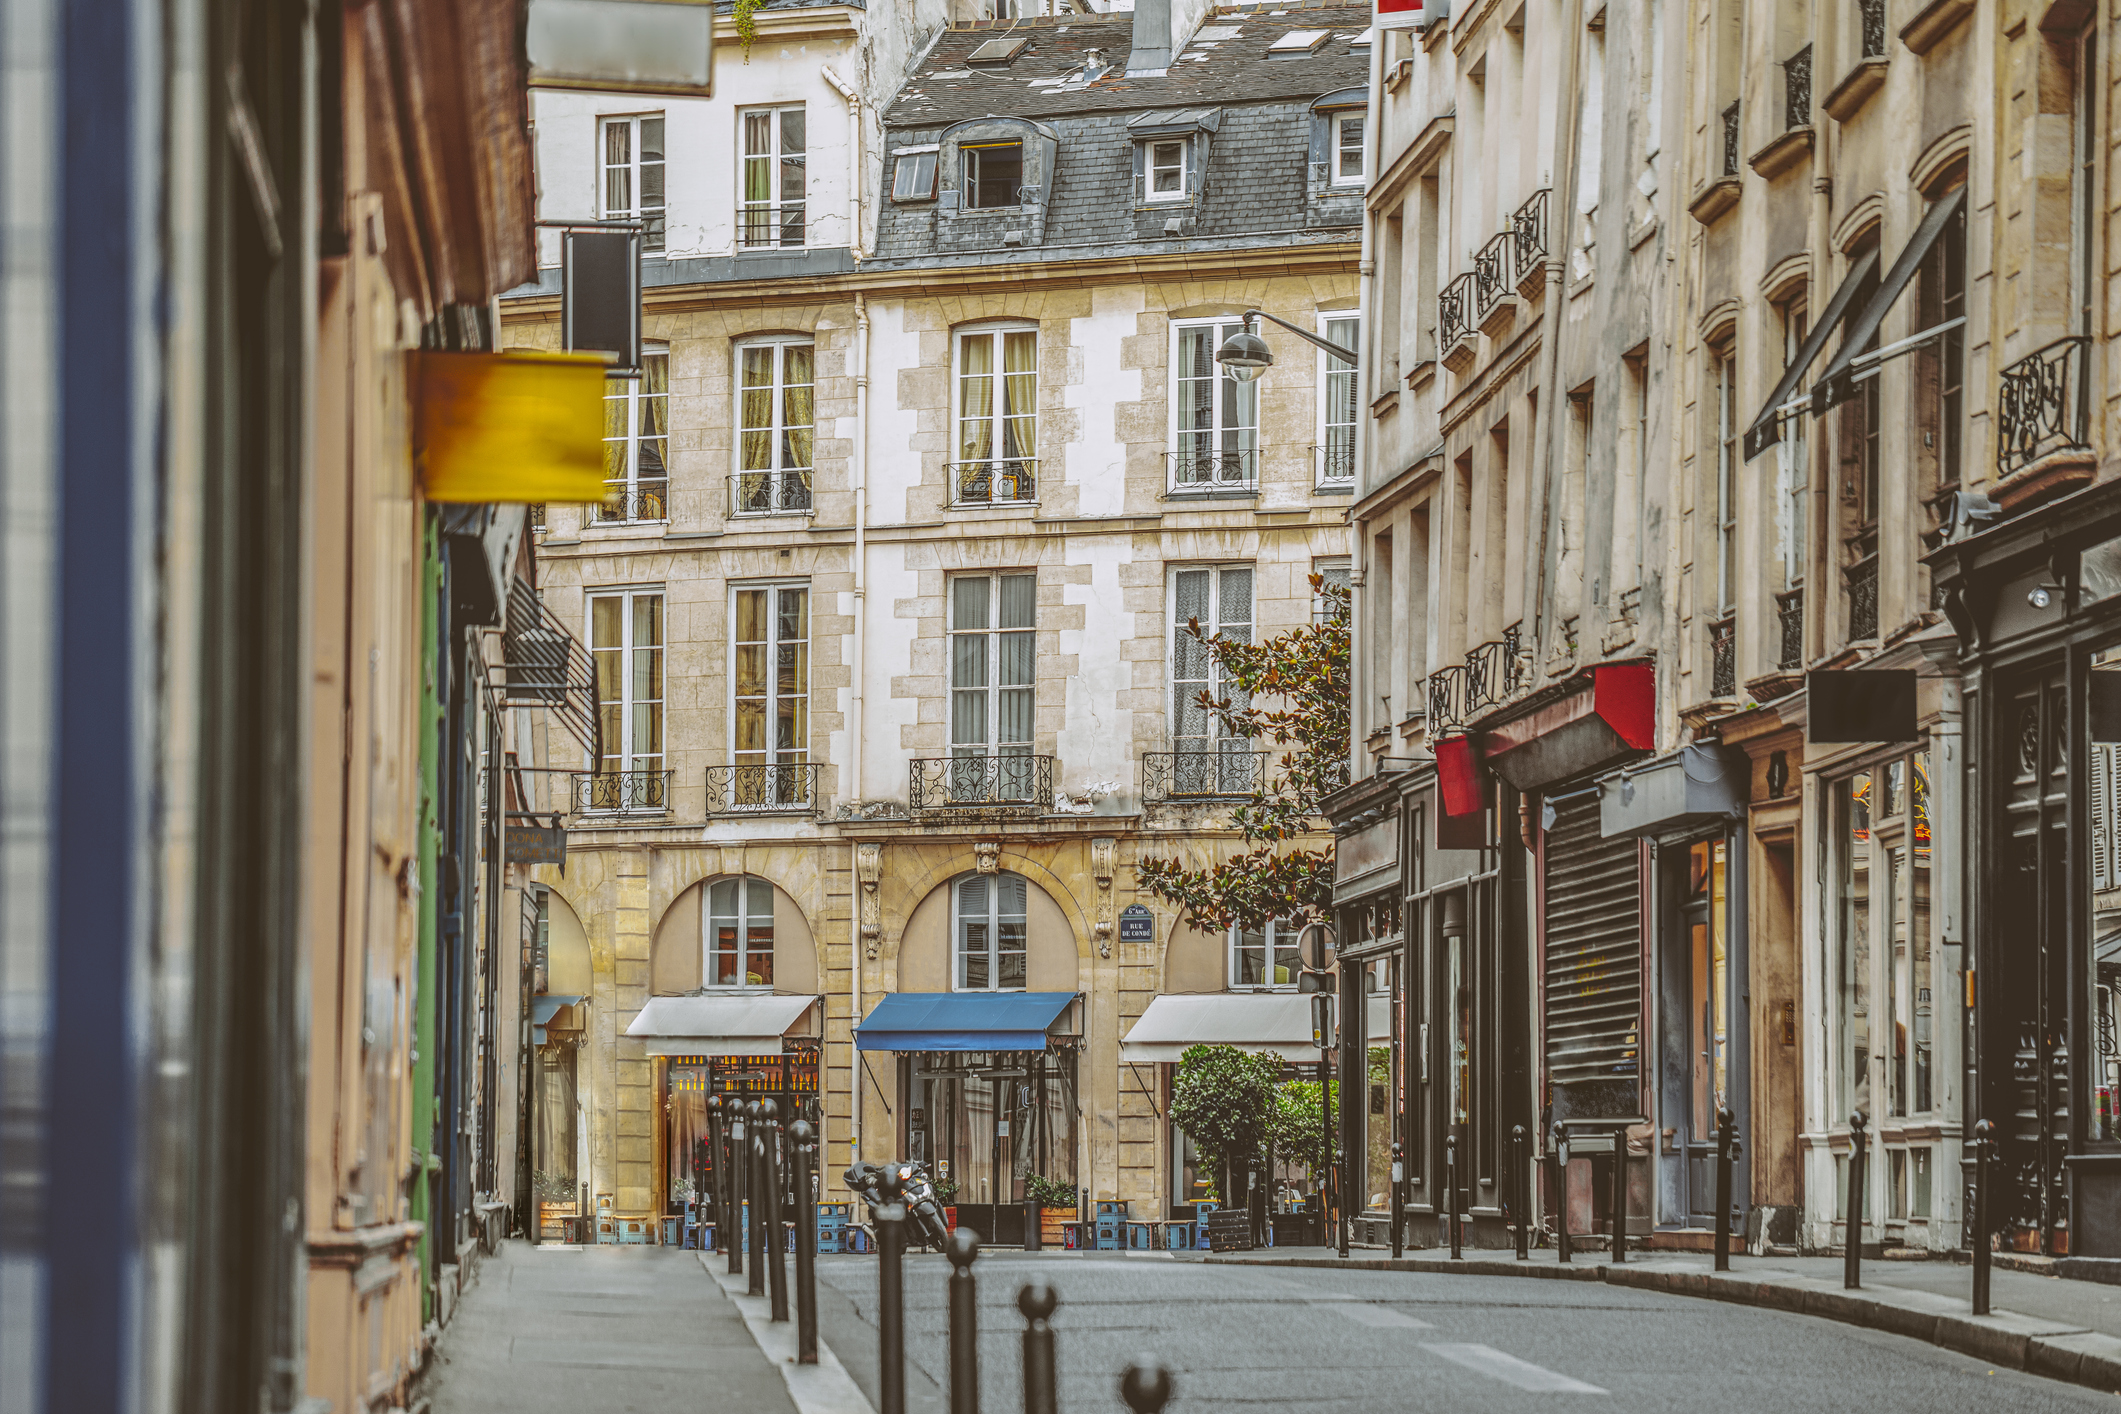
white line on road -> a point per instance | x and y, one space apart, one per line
823 1388
1381 1317
1487 1360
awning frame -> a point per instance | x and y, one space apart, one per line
1766 430
1838 384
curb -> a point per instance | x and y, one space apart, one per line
2050 1348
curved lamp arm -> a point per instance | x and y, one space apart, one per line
1346 355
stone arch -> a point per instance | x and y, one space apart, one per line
925 953
919 886
567 958
676 958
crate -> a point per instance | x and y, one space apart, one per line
634 1229
1178 1237
1141 1237
832 1226
673 1234
858 1240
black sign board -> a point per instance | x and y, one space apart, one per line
1860 704
600 295
536 844
1229 1230
1137 924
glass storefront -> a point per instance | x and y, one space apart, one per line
790 1079
986 1122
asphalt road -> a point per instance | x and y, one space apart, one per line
1247 1338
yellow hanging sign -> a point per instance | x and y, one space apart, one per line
509 427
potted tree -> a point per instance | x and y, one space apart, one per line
946 1195
1056 1206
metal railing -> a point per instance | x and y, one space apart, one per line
1491 270
1789 615
994 481
1446 699
771 493
763 789
643 501
537 516
1730 140
1723 658
621 792
1797 89
543 665
1200 469
1863 598
1202 775
953 784
1528 227
1873 28
1335 460
1482 685
2040 404
1454 312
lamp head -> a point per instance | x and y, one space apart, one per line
1244 355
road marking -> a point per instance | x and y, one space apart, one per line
1487 1360
1381 1317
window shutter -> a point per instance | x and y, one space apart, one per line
1141 157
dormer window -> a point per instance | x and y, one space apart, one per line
1347 149
993 174
914 177
1167 170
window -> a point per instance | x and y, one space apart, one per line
774 177
1217 417
1882 837
994 173
913 179
1332 574
1725 368
997 427
990 929
776 417
1792 469
770 694
1940 366
1166 170
1220 600
1265 958
740 933
993 691
1336 459
633 174
1347 149
637 443
626 641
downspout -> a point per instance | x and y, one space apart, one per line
1365 281
858 475
854 160
1563 220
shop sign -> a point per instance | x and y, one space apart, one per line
789 1073
1137 924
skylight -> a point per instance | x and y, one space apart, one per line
1297 42
997 51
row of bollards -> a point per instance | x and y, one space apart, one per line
749 1181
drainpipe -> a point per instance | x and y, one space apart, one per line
854 159
1365 374
859 476
1561 216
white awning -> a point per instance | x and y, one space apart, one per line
1264 1023
743 1024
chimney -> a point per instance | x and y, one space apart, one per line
1152 36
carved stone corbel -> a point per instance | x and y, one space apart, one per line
987 856
1101 853
869 869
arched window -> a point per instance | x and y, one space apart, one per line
739 927
988 925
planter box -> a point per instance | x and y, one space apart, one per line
1052 1225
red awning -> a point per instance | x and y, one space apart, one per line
1613 715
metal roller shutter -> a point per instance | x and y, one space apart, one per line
1593 956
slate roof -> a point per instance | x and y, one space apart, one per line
1225 61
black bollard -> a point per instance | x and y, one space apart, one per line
1256 1205
1558 1141
1977 1237
756 1182
1041 1369
890 1216
1616 1196
1726 1150
716 1171
738 1161
963 1248
776 1235
1450 1189
1521 1191
1146 1385
1399 1200
803 1136
1852 1249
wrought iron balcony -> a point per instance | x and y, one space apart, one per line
537 516
1336 459
1723 658
771 493
1446 699
994 481
1873 28
1730 140
2041 405
1789 614
1529 229
621 792
975 785
1492 272
543 665
761 789
643 501
1202 775
1797 89
1863 598
1454 312
1201 468
1482 686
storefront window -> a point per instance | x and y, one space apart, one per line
989 1121
1709 929
1852 813
2103 1073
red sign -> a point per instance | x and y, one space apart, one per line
1398 14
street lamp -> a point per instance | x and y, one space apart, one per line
1245 355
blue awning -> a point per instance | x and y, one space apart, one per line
962 1021
543 1008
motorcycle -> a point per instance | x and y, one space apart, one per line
925 1214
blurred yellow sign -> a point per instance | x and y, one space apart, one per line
509 427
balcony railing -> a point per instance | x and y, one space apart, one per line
971 785
543 665
1206 469
2040 404
1336 459
621 792
643 501
771 493
1446 699
761 789
1730 139
1789 615
1482 686
994 481
1873 28
1863 598
1492 276
1202 775
1797 89
1723 658
1454 312
1528 227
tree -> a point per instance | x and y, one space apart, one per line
1221 1097
1306 673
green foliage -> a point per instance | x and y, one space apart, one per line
1049 1193
556 1187
1297 1126
945 1191
1221 1097
1306 672
747 28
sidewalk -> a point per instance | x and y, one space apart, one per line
2067 1330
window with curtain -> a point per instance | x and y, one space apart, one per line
1347 149
774 177
633 174
1725 369
626 642
1264 957
770 694
1332 574
739 940
990 930
776 427
1336 462
993 693
637 443
1220 600
997 416
1792 468
1216 428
